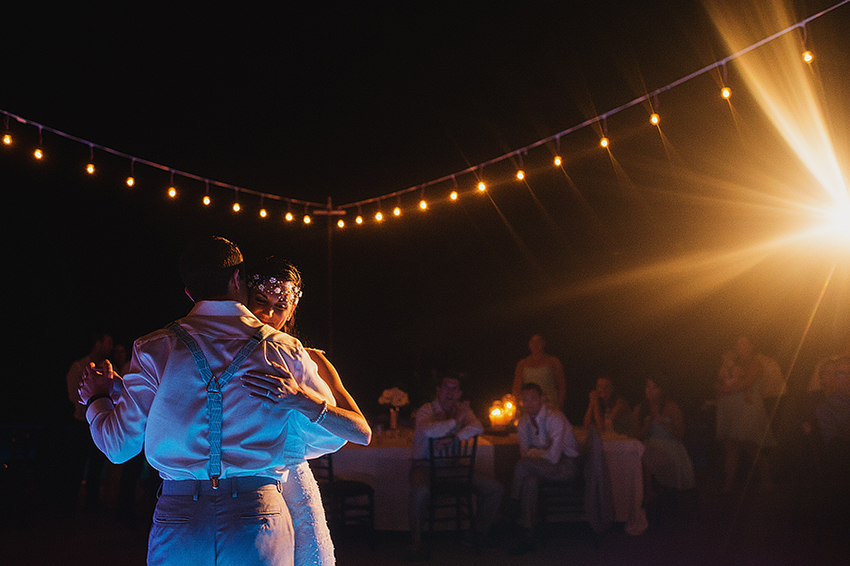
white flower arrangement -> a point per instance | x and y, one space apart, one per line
395 397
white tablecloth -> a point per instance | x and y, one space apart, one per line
385 465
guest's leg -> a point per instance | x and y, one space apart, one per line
420 494
490 492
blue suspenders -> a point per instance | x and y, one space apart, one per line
214 385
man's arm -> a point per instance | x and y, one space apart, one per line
469 424
429 426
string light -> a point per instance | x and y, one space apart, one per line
423 205
131 180
481 186
7 135
558 161
39 153
340 223
172 190
307 218
207 200
263 211
603 142
808 57
520 175
726 92
453 195
288 216
359 219
654 119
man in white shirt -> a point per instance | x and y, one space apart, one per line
221 405
445 417
548 451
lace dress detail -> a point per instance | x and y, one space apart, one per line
313 545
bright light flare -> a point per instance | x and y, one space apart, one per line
558 161
520 175
90 168
453 196
7 139
808 57
604 142
131 181
172 192
423 205
482 187
207 200
654 119
726 92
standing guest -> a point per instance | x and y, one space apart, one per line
659 423
222 405
742 422
548 451
82 451
607 410
544 370
274 290
447 416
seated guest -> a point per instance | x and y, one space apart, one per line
548 451
447 416
833 413
606 410
660 425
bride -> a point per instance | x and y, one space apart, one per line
274 288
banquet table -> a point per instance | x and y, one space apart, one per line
385 465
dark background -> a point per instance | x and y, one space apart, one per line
632 262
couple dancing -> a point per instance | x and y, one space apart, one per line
228 409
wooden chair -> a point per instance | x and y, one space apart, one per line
347 502
452 466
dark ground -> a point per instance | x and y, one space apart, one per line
779 528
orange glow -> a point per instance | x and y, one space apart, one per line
726 92
654 119
379 216
482 186
397 211
131 181
808 57
520 175
603 142
423 205
236 207
38 153
558 161
172 192
289 217
307 219
340 223
7 139
453 196
359 219
207 200
263 213
90 168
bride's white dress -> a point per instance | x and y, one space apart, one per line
313 545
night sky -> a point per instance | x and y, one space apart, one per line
315 101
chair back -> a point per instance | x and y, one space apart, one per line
323 468
452 461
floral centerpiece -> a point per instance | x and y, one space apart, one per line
396 398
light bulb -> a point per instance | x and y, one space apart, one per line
207 200
379 216
263 213
307 219
340 223
453 196
558 161
808 57
654 118
90 168
289 217
423 205
520 175
359 219
131 181
38 153
397 211
726 92
236 207
603 142
482 186
7 138
172 192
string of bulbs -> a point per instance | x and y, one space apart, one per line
329 210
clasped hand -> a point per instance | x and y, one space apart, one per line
279 391
96 381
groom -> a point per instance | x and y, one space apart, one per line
220 444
